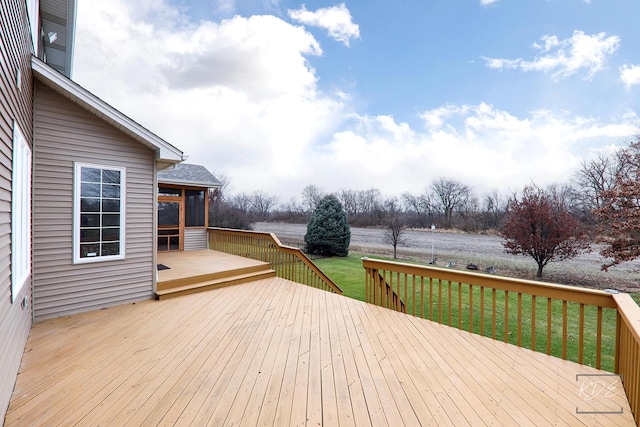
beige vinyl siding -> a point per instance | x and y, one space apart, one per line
65 133
15 105
195 239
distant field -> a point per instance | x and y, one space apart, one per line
482 250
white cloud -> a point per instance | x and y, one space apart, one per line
336 19
240 98
488 2
563 58
630 75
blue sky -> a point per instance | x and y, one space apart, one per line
281 94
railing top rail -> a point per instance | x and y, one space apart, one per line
285 248
542 289
630 312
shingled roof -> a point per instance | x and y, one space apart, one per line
186 174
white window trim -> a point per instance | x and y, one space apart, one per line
20 213
34 20
77 166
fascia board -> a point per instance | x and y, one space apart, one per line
79 95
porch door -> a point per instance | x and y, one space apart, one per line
170 228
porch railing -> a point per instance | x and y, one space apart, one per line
587 326
289 263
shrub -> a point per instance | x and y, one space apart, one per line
328 232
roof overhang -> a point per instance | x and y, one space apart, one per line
59 17
189 183
166 153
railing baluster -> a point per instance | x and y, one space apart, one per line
506 316
564 330
519 319
599 339
548 325
581 335
494 314
482 310
459 305
440 301
533 322
470 307
413 294
450 302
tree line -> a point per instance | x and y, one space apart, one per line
601 201
446 202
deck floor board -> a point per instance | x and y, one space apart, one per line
274 352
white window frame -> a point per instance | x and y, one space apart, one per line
20 213
34 21
77 184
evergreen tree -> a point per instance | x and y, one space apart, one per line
328 231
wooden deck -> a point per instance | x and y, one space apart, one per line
274 352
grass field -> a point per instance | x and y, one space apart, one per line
349 274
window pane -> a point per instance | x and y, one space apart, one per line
110 205
90 250
110 220
99 228
89 235
89 220
90 175
110 249
110 234
89 205
111 176
111 191
90 190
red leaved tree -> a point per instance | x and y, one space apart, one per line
619 213
541 227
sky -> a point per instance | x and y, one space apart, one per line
279 94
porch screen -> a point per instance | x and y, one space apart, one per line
194 208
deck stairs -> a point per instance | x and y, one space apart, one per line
205 282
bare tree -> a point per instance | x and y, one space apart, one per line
395 225
311 196
261 203
450 195
241 202
420 206
349 200
494 208
595 177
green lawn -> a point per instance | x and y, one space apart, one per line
349 274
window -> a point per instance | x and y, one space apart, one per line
194 208
20 213
99 197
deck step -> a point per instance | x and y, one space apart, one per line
214 283
207 277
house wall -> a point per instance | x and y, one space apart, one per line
65 133
15 105
195 238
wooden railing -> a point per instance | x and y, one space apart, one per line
592 327
289 263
